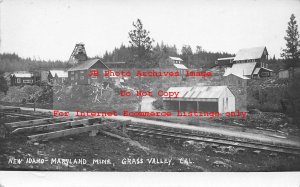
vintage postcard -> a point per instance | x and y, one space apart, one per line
150 86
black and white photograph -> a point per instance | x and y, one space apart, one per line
116 86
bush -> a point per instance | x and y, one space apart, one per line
158 104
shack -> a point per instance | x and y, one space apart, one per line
201 98
236 80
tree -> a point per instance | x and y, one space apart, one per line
140 41
186 53
198 49
292 52
3 85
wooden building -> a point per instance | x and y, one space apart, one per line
201 98
254 54
115 65
228 61
22 78
174 64
286 74
236 80
57 76
79 73
249 69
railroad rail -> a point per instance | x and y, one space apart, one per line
174 133
48 128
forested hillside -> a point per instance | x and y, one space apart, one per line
193 59
12 62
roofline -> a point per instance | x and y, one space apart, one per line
265 48
176 57
91 66
267 69
226 58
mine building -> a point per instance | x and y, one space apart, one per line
174 64
254 54
236 80
248 62
22 78
201 98
228 61
116 65
79 74
57 76
249 69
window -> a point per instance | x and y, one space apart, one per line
72 78
72 72
81 77
18 80
27 81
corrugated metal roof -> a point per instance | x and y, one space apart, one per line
182 90
267 69
198 92
59 73
244 69
256 71
250 53
180 66
176 58
86 65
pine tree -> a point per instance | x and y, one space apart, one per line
292 52
3 85
140 41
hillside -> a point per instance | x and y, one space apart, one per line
12 62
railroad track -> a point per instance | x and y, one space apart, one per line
58 125
172 133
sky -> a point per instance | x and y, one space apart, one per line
49 30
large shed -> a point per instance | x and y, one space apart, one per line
201 98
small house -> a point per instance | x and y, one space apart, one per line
201 98
80 73
174 64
